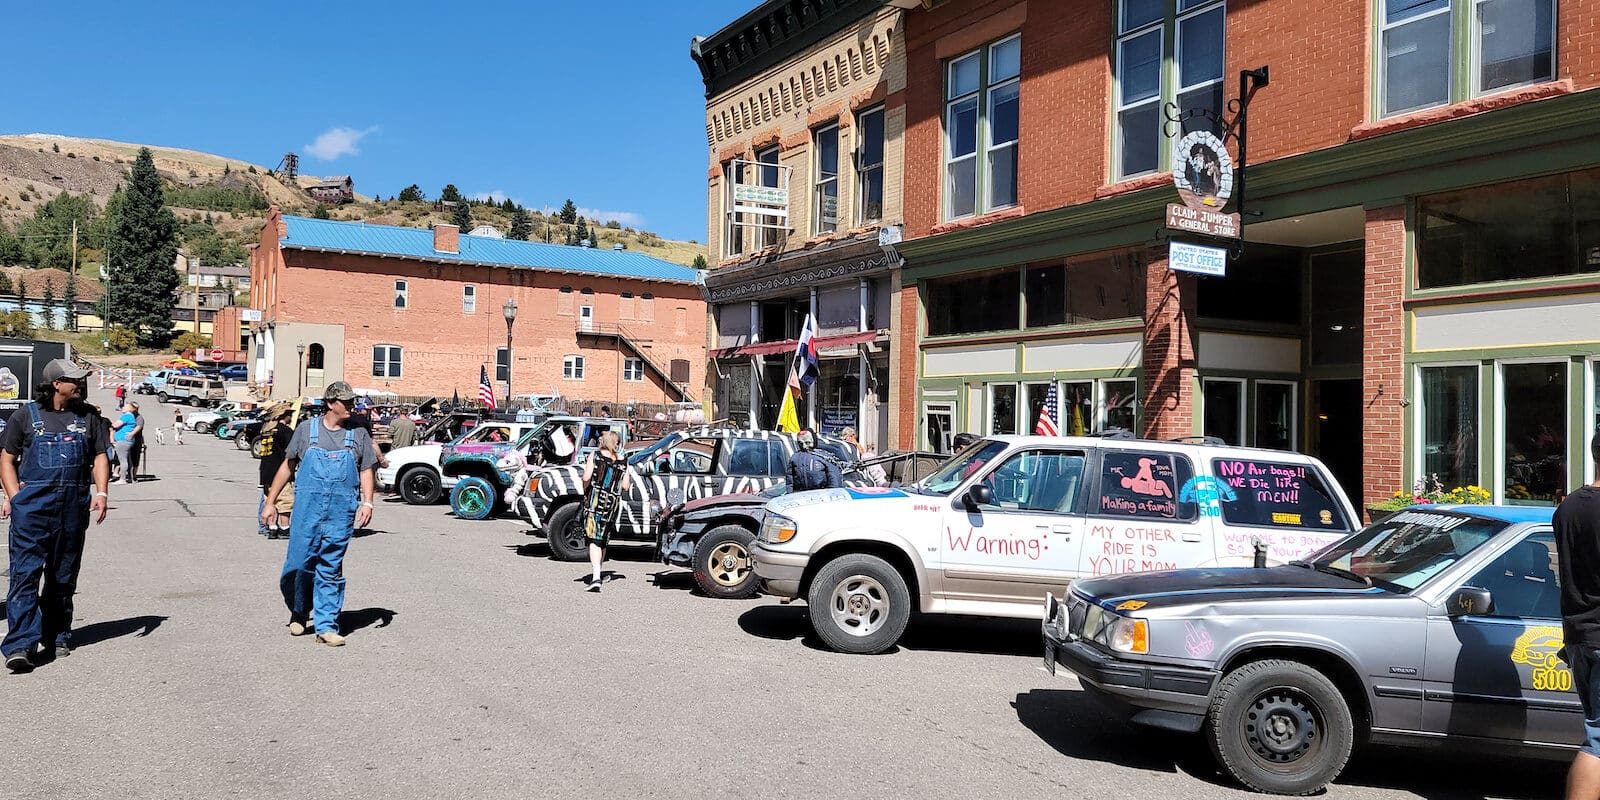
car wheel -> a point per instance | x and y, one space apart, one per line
564 531
161 396
472 498
419 486
242 441
1280 726
858 603
202 427
722 565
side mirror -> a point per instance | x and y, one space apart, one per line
1469 601
978 496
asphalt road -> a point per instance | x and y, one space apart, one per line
477 667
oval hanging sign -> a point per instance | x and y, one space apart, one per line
1202 170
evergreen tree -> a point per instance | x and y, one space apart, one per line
5 284
22 292
69 300
582 231
143 243
321 212
508 206
47 236
412 194
11 253
569 212
49 305
450 194
461 217
521 225
699 261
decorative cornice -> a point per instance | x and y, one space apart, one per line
769 34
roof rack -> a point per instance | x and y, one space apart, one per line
1209 441
1114 433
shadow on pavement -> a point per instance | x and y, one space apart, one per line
352 621
98 632
642 554
675 579
1078 726
976 635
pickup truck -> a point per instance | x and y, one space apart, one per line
155 381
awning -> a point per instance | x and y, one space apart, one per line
789 345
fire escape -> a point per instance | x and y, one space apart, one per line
677 385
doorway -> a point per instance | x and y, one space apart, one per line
1336 432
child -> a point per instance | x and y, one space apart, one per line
605 480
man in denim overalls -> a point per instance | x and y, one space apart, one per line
333 486
59 442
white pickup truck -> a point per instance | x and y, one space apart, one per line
415 471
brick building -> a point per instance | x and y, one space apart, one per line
417 312
1418 285
804 122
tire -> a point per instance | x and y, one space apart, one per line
859 604
1310 748
722 565
202 428
161 397
566 535
241 440
419 486
473 498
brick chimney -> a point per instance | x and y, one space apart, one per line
446 239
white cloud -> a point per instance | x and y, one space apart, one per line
336 142
627 218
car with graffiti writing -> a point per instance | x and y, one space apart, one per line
1439 625
1012 517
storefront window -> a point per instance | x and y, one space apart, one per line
1097 289
1077 407
1264 285
1534 417
1275 415
975 304
1002 408
1450 424
1047 296
1038 393
840 398
938 421
1534 228
1224 409
1119 404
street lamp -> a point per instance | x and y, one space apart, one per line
510 310
299 368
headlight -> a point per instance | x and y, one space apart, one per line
1128 635
777 529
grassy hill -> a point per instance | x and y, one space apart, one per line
37 167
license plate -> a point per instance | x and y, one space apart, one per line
1050 657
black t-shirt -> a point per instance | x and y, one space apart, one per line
20 428
1577 524
274 444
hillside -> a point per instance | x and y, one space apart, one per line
37 167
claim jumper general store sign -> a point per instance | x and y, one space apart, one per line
1203 172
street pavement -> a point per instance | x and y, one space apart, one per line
477 667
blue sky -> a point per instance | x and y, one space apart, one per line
537 100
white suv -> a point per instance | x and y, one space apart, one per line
1013 517
415 472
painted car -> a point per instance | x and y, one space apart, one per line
417 473
1441 625
1012 517
482 471
681 467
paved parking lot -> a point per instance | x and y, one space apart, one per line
477 667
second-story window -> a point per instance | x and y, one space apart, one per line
825 205
469 299
1194 31
768 177
402 294
869 166
1434 52
982 103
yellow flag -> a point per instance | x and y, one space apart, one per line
788 422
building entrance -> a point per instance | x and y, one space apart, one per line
1336 431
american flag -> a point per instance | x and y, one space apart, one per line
1049 423
485 388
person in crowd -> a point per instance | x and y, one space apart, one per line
874 472
136 452
122 394
177 425
402 432
362 418
332 467
55 473
808 469
1577 524
277 428
605 480
122 441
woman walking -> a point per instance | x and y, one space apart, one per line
605 479
122 442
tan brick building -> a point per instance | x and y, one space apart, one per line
1416 288
417 312
804 124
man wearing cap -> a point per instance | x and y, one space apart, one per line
53 447
333 484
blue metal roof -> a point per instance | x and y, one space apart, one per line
390 240
1511 514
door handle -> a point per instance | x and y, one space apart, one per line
1064 529
1190 537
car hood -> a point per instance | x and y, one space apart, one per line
849 507
751 499
1219 585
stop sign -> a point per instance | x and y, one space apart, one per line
216 354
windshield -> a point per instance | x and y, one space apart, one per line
485 433
644 456
961 466
1408 548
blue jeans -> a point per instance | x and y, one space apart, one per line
326 496
1586 682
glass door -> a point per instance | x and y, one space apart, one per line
1533 426
1224 409
1002 409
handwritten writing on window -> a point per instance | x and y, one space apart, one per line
1277 495
1137 484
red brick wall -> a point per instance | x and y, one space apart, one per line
443 346
1318 53
1383 373
1169 354
904 380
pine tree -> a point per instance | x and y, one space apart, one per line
412 194
462 217
5 284
49 305
582 231
143 242
321 212
450 194
521 225
508 206
699 261
11 252
569 212
22 292
69 300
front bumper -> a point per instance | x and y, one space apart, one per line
385 478
779 572
1160 695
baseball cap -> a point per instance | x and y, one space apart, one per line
63 369
339 390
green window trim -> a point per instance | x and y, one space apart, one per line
1463 79
1166 28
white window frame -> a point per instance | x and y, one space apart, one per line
402 294
469 299
1177 52
1384 27
931 407
1101 417
1169 88
502 364
863 169
394 356
572 367
983 146
949 131
1246 430
1475 42
987 144
1419 412
1017 401
1118 107
818 182
1497 470
633 370
1294 409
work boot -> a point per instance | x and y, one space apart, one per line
298 627
331 639
19 663
63 649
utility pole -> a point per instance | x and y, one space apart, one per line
72 275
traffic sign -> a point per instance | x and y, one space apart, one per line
216 354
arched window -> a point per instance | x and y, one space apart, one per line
314 356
